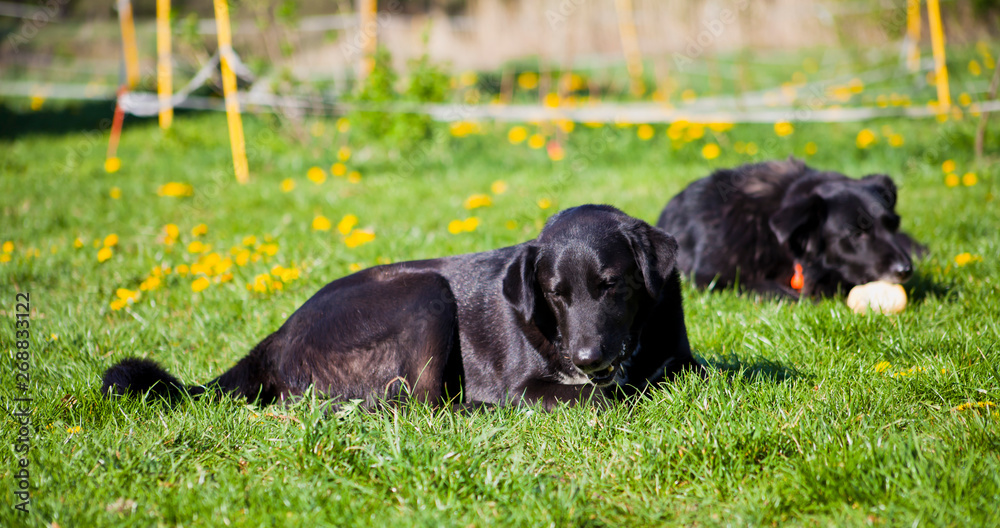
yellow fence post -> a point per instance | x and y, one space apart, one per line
937 44
164 73
630 44
368 26
229 90
913 34
128 43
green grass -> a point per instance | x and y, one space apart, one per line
793 426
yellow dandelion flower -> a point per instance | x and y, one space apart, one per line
354 177
751 149
358 237
316 175
865 138
249 240
175 190
948 166
470 224
528 80
182 269
343 125
269 249
478 200
199 230
347 223
74 430
243 257
200 284
951 180
694 131
645 132
720 127
783 128
975 68
964 99
118 304
963 258
111 240
536 141
551 100
104 254
882 366
467 78
5 257
287 185
115 193
8 246
811 148
77 243
710 151
455 227
896 140
544 203
196 246
112 164
321 223
969 179
498 187
150 284
338 169
517 135
344 153
511 224
566 125
355 267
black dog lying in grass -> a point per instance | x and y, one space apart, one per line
784 228
589 309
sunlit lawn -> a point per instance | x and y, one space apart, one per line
812 415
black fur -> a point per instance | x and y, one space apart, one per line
752 224
589 309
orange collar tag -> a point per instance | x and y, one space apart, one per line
798 280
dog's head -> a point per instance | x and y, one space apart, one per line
588 281
848 227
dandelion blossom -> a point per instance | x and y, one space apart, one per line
347 223
865 139
710 151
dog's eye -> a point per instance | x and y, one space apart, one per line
609 284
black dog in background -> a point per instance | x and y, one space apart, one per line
784 228
589 309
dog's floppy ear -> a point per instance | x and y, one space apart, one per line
655 252
883 186
795 221
519 284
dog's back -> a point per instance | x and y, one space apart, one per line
721 222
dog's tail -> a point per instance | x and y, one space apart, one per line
136 377
249 378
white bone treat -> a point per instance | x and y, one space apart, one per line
879 296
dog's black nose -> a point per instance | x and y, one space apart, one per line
902 271
586 358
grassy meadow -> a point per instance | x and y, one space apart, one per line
811 415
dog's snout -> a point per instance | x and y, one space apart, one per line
901 270
587 358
